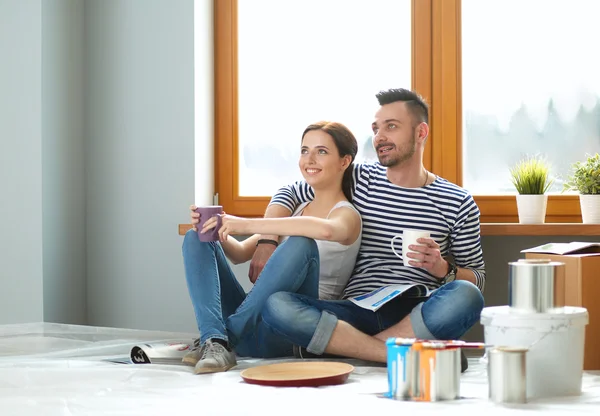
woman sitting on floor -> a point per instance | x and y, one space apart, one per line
229 320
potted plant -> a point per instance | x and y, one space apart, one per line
585 179
531 179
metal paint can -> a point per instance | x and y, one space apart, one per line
507 374
400 367
438 375
536 285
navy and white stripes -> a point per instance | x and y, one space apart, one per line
444 209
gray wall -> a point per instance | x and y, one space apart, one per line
42 244
21 287
97 158
139 160
63 183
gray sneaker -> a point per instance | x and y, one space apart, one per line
193 355
215 359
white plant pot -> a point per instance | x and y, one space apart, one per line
532 208
590 208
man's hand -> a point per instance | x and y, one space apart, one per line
262 253
427 255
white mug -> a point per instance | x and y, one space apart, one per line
409 237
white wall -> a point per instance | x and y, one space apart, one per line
63 179
140 160
21 288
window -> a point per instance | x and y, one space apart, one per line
501 84
309 60
529 86
283 65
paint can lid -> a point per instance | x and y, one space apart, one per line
535 263
400 341
505 316
508 350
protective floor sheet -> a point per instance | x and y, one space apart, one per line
67 370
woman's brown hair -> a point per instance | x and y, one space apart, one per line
346 145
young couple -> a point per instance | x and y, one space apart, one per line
395 194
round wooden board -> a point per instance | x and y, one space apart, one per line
299 374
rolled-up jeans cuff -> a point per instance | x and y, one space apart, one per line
418 324
323 333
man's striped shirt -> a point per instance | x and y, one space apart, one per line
444 209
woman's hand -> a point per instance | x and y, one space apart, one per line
230 225
195 217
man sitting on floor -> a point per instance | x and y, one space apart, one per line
396 194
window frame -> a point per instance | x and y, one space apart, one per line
436 75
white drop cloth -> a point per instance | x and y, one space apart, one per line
52 369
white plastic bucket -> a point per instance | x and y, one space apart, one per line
555 341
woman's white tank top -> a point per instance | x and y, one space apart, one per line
336 260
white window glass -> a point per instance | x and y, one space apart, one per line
303 61
531 85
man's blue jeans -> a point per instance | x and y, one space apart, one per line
222 308
447 314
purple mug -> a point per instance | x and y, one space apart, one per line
205 214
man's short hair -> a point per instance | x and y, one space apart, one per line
414 102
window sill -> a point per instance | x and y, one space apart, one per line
540 229
514 229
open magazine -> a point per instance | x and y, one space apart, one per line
165 352
379 297
565 248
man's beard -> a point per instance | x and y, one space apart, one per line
391 161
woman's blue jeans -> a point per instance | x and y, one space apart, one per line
224 311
